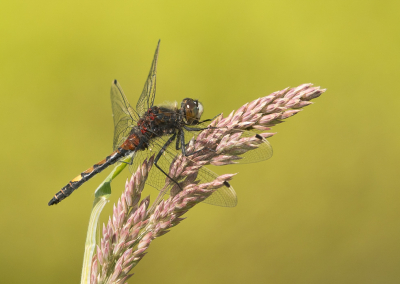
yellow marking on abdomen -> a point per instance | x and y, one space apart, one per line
101 162
89 170
78 178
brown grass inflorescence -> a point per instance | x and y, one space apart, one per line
135 224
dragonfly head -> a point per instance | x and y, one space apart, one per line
192 110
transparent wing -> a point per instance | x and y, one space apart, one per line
244 147
189 135
175 165
123 114
223 146
146 99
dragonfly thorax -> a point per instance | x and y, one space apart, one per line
192 111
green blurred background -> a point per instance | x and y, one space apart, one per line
324 209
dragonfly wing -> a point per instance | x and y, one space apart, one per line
156 178
184 171
248 146
123 115
224 196
146 99
232 146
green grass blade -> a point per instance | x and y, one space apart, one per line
101 196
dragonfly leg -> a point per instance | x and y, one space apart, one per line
211 118
182 138
194 129
199 129
159 156
178 141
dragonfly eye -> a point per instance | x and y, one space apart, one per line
192 109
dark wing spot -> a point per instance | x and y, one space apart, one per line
259 136
227 184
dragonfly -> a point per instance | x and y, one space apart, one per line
162 132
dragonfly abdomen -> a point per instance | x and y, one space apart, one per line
86 175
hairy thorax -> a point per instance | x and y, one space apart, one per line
157 121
